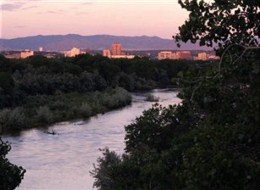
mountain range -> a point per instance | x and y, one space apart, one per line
93 42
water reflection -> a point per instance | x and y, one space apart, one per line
63 160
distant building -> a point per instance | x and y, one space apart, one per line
26 53
213 56
174 55
165 55
116 52
201 56
184 55
116 49
73 52
12 55
18 54
122 56
106 53
205 56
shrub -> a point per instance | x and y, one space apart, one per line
13 119
10 174
152 98
44 115
85 110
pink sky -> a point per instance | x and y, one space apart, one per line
89 17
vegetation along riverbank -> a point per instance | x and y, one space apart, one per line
38 91
42 110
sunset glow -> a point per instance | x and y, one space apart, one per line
85 17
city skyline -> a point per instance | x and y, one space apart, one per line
88 17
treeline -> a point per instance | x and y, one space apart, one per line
38 75
38 91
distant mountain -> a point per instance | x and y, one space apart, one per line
94 42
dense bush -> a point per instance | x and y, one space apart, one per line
43 114
13 119
10 174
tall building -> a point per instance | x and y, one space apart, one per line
116 52
116 49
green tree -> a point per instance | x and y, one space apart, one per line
112 172
221 22
10 174
211 140
6 83
6 89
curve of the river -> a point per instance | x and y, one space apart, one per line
63 161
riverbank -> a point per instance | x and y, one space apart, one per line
72 152
42 110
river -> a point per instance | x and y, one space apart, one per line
63 161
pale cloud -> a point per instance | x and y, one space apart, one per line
11 6
87 3
20 26
50 12
54 12
30 7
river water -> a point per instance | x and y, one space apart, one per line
63 161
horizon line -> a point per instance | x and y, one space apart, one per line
85 36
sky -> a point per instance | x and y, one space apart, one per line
19 18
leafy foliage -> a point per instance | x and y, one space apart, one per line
10 174
221 22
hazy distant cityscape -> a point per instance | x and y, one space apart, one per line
139 46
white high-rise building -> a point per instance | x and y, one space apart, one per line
72 53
